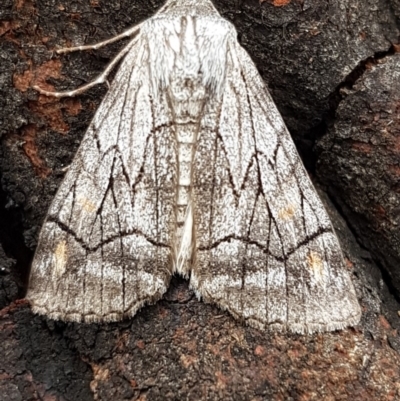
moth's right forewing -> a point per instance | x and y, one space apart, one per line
105 247
320 295
266 250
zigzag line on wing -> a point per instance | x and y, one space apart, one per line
295 170
309 238
261 193
65 228
236 192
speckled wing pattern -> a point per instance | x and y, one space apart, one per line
104 249
188 168
266 250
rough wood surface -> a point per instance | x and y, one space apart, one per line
311 53
360 161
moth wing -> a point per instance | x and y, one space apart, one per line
265 247
104 249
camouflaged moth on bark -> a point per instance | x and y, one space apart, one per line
188 168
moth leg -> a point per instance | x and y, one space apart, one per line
65 169
128 33
99 80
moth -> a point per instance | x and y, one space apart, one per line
187 167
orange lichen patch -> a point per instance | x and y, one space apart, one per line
280 3
306 375
259 350
188 360
287 212
222 380
72 106
133 383
47 107
338 347
181 338
29 136
384 323
51 113
19 4
268 372
5 27
23 81
49 69
362 147
11 308
25 8
100 374
179 333
29 78
297 351
140 344
349 263
223 351
10 36
191 346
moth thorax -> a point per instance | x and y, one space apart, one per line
197 8
194 56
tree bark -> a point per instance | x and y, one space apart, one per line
333 70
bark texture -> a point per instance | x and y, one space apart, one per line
333 73
360 161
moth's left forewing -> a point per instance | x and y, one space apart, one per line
104 249
266 250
